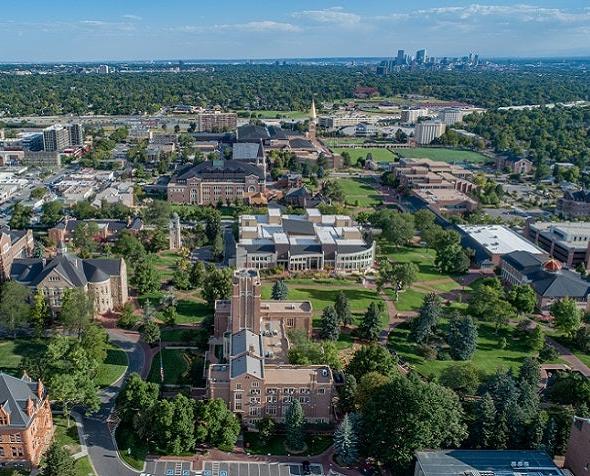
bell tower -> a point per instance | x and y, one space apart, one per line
245 301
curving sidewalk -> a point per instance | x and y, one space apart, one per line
96 432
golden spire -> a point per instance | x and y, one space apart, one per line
313 115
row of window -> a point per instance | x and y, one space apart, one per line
16 451
14 438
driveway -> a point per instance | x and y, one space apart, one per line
101 447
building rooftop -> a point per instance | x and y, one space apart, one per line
488 462
296 375
567 233
14 395
498 239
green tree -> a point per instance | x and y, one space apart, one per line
40 312
95 341
530 371
398 275
150 332
295 426
84 238
20 217
197 274
135 401
217 285
371 358
408 414
346 442
77 311
266 428
216 424
398 228
347 394
146 278
57 462
463 378
129 247
51 213
484 428
425 323
280 291
343 309
370 327
329 328
462 337
450 256
367 386
14 308
181 276
174 424
128 317
523 298
568 318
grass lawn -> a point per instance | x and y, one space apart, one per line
487 358
180 335
585 358
316 444
409 300
178 365
321 297
165 263
12 353
443 155
422 257
359 192
113 367
189 311
67 438
128 440
379 154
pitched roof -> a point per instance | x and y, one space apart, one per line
247 151
250 132
299 143
14 393
245 364
219 169
246 341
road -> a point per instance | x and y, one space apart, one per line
101 447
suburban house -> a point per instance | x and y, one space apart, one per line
248 351
26 424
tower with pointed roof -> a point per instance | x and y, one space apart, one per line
313 120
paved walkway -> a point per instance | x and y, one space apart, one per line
97 435
569 357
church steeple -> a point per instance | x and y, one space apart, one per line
313 121
312 113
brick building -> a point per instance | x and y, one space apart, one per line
251 373
516 165
108 230
26 424
214 181
574 204
13 244
569 242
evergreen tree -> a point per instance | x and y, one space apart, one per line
40 312
549 436
529 371
57 462
128 317
346 442
280 292
38 250
181 276
462 337
329 326
146 277
150 332
425 323
343 309
295 423
347 394
197 274
370 327
484 425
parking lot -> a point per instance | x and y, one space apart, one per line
231 468
169 468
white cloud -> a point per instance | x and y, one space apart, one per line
132 17
262 26
329 15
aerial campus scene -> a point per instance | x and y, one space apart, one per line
260 238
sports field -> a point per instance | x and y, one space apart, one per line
443 155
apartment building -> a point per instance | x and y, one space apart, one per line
568 242
104 280
411 115
26 424
303 242
216 181
13 244
217 121
427 131
253 376
58 137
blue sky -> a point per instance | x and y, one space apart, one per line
68 30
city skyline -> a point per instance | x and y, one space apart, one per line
228 29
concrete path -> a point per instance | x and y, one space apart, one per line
569 357
97 435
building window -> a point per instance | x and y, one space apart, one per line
256 384
17 451
1 452
321 391
16 438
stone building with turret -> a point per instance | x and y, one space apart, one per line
26 424
104 280
249 355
